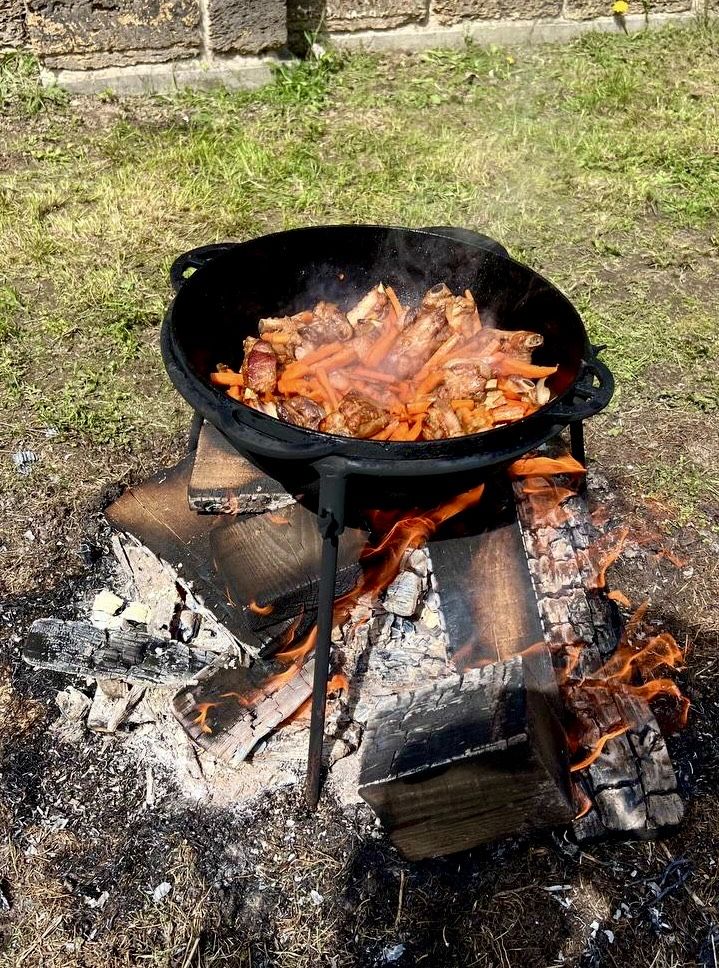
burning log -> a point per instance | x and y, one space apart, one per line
230 709
228 561
81 649
224 482
631 784
469 759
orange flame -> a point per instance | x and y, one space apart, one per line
545 466
260 609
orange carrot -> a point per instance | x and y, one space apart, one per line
316 356
338 360
429 383
276 338
396 305
415 430
438 356
401 432
227 378
381 346
235 392
324 382
376 376
388 431
464 403
508 366
419 406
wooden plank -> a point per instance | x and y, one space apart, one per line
80 649
230 561
224 482
484 584
469 759
632 784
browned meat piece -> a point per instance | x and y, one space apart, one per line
259 367
441 421
366 332
438 297
356 417
375 305
462 315
329 325
519 343
465 380
300 411
416 343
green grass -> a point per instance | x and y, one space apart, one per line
595 162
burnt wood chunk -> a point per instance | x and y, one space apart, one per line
484 584
80 649
241 705
469 759
225 482
632 784
228 562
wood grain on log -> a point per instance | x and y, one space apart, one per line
632 784
468 759
486 591
225 482
80 649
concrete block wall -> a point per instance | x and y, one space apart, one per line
144 45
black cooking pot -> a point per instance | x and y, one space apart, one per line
234 284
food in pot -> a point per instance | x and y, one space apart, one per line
385 371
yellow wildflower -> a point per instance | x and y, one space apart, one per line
620 7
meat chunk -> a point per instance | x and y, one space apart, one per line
438 297
375 305
300 411
466 380
441 421
329 325
356 416
518 343
475 421
416 343
259 367
462 315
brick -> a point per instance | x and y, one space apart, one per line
455 11
351 15
247 27
87 34
588 9
12 23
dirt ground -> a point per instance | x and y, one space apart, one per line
627 227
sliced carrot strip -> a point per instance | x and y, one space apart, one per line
419 406
429 384
376 376
415 430
382 345
324 382
277 338
343 358
235 392
396 305
227 378
438 356
508 366
388 431
303 366
462 403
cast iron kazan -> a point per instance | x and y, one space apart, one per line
234 284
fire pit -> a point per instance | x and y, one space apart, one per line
278 275
438 609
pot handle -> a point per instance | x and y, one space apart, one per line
468 236
587 398
196 259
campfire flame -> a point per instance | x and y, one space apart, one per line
395 533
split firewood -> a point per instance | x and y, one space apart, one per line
80 649
469 759
631 785
225 482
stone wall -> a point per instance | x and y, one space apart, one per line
138 45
